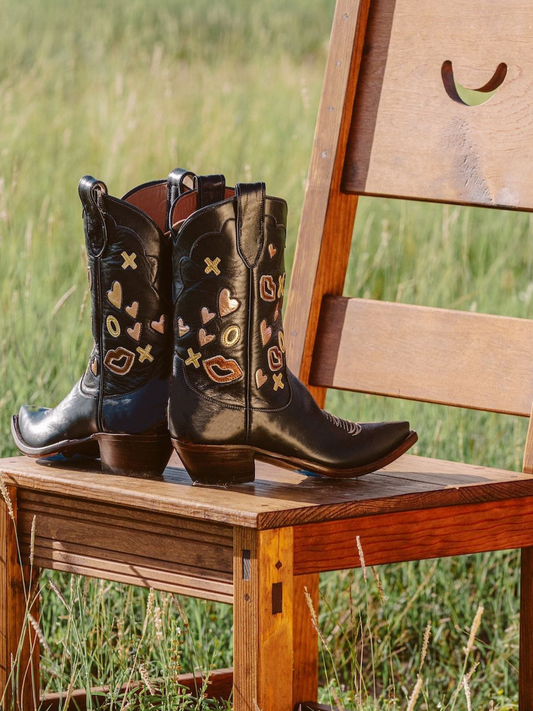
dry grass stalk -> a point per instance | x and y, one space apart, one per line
68 293
158 621
146 679
149 608
425 643
314 617
70 691
468 695
474 630
416 693
182 612
7 499
85 590
381 592
58 592
472 671
32 540
361 556
39 633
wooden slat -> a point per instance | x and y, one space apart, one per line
157 575
419 353
37 502
116 543
410 138
190 553
414 535
326 225
219 687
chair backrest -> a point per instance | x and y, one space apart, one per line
427 101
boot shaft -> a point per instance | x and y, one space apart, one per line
228 286
129 262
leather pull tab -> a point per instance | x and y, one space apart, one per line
250 220
175 189
91 192
211 189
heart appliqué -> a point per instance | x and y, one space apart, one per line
227 305
260 378
206 314
222 370
119 361
135 331
94 367
182 328
114 295
272 250
159 326
266 332
133 309
204 338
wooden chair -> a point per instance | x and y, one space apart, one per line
391 123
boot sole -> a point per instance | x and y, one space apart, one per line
128 455
227 464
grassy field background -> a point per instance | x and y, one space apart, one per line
126 91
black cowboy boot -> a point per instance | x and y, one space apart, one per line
118 408
233 399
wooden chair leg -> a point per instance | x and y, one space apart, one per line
19 647
525 664
305 639
263 620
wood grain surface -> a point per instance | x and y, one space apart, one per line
17 637
305 639
525 664
414 535
278 497
410 138
326 225
263 620
419 353
245 620
117 543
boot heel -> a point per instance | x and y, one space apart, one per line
213 464
134 455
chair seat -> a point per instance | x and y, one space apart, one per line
279 497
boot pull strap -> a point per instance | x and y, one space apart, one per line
175 188
250 220
211 189
91 192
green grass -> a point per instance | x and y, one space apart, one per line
126 91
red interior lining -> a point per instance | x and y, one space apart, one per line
152 200
187 204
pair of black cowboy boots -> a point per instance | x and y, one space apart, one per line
187 287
